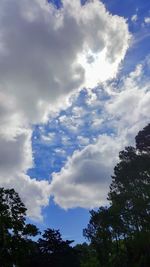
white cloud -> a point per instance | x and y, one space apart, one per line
40 65
65 140
15 153
134 18
147 20
91 99
96 123
60 151
72 123
131 106
83 140
49 138
15 159
84 180
78 112
35 194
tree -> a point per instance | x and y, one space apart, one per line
143 140
17 248
87 255
122 230
130 190
14 231
54 251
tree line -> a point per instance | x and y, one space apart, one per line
118 234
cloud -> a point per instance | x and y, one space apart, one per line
84 180
35 194
71 123
41 47
130 106
147 20
15 154
45 55
83 140
15 160
50 138
134 18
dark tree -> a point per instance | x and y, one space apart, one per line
120 233
130 190
87 255
14 232
143 140
17 247
54 251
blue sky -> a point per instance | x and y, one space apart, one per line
75 90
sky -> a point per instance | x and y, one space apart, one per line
74 91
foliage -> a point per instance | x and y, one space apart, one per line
13 229
87 255
120 233
16 246
54 251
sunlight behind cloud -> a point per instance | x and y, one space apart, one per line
40 68
84 179
97 67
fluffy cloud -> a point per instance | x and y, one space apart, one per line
46 54
147 20
129 109
41 48
15 159
15 153
84 180
34 193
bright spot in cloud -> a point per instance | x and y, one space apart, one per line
97 67
46 55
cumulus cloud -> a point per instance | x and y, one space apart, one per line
15 153
41 48
15 159
84 180
129 109
46 54
83 140
50 138
34 193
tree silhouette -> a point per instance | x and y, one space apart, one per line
143 140
14 232
16 245
120 233
55 251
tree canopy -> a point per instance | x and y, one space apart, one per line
14 231
17 247
120 232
